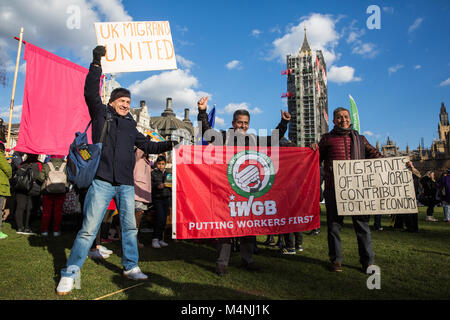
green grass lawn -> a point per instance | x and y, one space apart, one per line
413 266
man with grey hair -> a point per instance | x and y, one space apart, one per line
344 143
237 136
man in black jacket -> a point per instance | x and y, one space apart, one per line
237 136
114 177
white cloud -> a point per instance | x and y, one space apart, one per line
232 107
321 34
366 50
445 83
342 74
45 23
256 33
16 115
219 121
276 29
113 10
368 133
179 85
415 25
234 64
183 62
395 68
417 67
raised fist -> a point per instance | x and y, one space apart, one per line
202 103
98 53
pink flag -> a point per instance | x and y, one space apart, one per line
53 103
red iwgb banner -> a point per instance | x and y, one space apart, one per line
223 192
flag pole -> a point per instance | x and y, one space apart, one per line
8 142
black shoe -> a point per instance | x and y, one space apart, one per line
250 266
20 230
221 270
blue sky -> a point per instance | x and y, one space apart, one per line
234 52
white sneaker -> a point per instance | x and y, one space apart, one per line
156 244
56 233
104 250
44 234
65 285
135 274
96 254
431 218
162 243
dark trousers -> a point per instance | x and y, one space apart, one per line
245 248
24 207
289 239
377 221
334 225
162 207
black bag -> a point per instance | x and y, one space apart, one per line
23 179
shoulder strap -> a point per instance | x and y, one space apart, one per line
52 168
105 127
88 126
62 166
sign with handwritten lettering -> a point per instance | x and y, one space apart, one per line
136 46
374 186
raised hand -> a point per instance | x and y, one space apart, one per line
285 115
202 103
97 54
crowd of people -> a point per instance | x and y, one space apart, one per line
128 187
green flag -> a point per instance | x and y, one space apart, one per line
354 114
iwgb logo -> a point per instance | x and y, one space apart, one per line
251 174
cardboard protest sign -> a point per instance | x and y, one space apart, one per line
374 186
136 46
221 192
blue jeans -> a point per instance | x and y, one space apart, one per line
446 206
97 201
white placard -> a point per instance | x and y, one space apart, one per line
136 46
374 186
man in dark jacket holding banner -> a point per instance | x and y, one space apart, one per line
237 136
114 177
344 143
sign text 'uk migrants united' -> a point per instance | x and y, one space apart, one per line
374 186
136 46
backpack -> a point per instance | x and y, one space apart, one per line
56 179
22 180
84 158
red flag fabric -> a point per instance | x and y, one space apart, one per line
229 192
53 103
